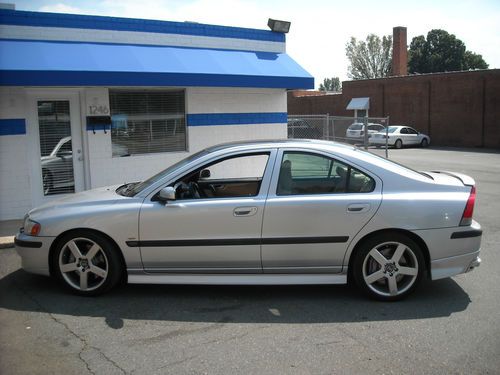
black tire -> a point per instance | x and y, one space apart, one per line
424 143
103 260
398 144
404 273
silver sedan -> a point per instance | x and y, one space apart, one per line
268 212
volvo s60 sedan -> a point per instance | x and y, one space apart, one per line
263 212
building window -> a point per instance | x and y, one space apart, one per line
145 122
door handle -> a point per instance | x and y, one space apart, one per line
245 211
358 207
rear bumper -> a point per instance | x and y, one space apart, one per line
453 250
379 141
34 253
452 266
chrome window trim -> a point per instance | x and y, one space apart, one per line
191 167
277 164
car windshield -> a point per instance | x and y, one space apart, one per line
392 129
356 127
130 190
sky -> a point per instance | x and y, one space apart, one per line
320 29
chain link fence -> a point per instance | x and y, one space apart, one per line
340 129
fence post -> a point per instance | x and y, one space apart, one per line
387 138
333 128
327 126
365 121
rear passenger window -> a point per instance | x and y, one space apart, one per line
304 173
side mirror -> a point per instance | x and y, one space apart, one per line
167 194
205 173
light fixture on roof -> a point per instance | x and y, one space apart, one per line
279 26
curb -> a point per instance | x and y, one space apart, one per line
6 242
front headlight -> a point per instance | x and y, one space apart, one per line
31 228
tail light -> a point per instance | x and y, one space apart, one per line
469 208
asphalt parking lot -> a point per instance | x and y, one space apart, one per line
448 326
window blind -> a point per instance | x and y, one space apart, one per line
147 121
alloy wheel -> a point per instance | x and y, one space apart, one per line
83 264
390 269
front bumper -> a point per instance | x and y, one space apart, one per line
34 253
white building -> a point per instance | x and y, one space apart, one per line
89 101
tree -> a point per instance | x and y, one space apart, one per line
371 58
474 61
441 52
331 84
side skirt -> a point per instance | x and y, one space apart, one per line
141 277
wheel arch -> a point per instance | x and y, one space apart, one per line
57 242
416 238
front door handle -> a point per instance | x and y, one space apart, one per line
358 207
245 211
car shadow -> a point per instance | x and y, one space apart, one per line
21 291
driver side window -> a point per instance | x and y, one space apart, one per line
238 176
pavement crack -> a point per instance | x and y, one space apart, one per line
86 345
175 363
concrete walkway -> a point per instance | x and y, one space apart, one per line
8 230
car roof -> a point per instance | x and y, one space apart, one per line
276 143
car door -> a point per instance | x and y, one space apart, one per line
404 136
414 137
316 205
216 232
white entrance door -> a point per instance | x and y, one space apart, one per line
56 134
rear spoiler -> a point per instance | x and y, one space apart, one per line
466 180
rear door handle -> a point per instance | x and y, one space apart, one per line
245 211
358 207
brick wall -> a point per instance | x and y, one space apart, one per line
455 109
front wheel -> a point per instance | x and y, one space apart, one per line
388 267
87 263
398 143
424 143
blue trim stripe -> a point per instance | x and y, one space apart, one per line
99 127
13 126
210 119
58 78
24 18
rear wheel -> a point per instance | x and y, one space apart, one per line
388 266
424 143
87 263
398 143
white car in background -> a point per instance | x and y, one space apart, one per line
356 132
399 136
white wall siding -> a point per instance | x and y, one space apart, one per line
15 183
226 100
136 37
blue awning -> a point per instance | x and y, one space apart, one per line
40 63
